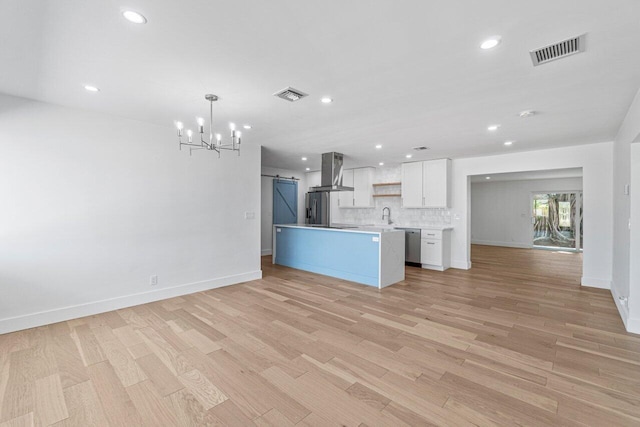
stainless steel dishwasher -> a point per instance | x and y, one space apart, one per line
412 244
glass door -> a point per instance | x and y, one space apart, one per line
557 221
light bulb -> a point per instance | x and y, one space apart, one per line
135 17
239 134
219 138
190 135
232 126
179 125
200 121
491 42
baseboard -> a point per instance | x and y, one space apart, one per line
33 320
633 325
266 252
595 283
622 307
461 265
504 244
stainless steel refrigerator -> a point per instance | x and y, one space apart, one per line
318 206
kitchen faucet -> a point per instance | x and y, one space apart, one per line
388 214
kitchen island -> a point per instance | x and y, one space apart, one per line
368 255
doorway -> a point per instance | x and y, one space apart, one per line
557 221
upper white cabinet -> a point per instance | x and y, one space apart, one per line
426 184
313 179
345 198
361 180
363 188
412 185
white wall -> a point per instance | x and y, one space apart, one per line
633 312
501 210
266 225
628 133
93 205
596 163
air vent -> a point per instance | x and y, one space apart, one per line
558 50
290 94
422 148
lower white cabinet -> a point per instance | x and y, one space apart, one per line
435 249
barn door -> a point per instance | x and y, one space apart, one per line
285 202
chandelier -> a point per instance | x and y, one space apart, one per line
215 145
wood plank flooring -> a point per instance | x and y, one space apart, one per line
513 341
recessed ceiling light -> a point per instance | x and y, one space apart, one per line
408 156
91 88
304 159
508 143
381 163
527 113
326 100
487 177
491 42
493 128
308 169
247 126
134 17
379 146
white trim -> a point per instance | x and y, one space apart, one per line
460 265
504 244
622 308
266 252
633 325
595 283
32 320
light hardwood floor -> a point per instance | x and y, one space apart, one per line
514 341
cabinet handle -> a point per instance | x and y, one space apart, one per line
429 243
422 200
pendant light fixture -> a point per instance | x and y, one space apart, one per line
213 142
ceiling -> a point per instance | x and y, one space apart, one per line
402 74
529 175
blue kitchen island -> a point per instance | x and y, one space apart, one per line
367 255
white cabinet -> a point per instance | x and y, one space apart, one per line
412 185
345 198
435 249
362 182
313 179
426 184
363 188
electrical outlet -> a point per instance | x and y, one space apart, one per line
153 280
249 215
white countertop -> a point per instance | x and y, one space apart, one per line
359 229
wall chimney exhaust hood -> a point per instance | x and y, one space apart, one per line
331 175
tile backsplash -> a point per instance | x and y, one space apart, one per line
399 216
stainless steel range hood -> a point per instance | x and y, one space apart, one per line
331 175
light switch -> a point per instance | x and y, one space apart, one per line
627 189
375 239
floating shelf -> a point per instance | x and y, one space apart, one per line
382 184
386 195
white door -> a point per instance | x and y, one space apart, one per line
412 185
435 183
345 198
362 181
